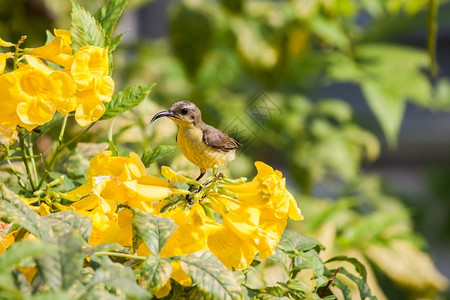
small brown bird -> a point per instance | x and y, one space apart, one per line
203 145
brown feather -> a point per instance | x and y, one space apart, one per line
217 139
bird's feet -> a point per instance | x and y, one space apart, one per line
193 188
189 197
214 179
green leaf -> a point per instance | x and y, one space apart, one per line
155 273
64 222
151 156
212 278
119 277
329 297
330 31
71 257
310 260
126 100
153 230
273 293
8 289
14 210
338 109
290 240
61 269
50 268
113 44
387 107
296 288
346 292
360 268
85 29
99 292
104 247
364 290
21 250
109 14
389 75
54 295
115 41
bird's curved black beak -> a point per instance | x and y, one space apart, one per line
166 113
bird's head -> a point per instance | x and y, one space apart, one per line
184 113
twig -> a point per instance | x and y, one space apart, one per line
25 159
329 282
117 254
432 36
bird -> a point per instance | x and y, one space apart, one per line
202 144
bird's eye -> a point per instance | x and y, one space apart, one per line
184 111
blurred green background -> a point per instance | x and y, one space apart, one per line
343 96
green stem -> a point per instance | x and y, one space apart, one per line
432 36
74 139
63 129
16 52
20 157
61 146
33 163
117 254
25 158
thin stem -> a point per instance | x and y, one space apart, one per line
61 146
117 254
20 157
432 36
16 52
63 129
74 139
25 158
33 163
329 282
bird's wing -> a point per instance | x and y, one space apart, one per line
219 140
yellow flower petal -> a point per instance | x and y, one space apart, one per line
57 51
5 44
164 291
105 88
88 203
230 249
7 241
90 109
153 193
37 64
29 272
64 98
90 64
35 112
193 230
44 209
257 218
105 227
3 58
29 89
179 275
175 177
125 221
294 211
